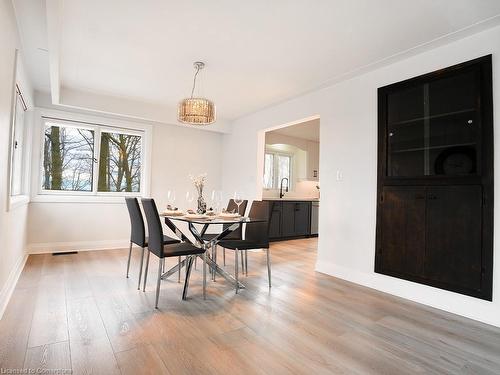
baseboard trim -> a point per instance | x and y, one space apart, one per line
469 307
57 247
10 284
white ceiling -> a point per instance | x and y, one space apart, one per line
257 52
305 130
33 34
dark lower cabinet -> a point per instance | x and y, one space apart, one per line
289 219
402 245
453 232
302 216
275 220
433 235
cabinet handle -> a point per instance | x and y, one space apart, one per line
432 197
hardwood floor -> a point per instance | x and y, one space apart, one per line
79 312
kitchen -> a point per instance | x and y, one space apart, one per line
291 180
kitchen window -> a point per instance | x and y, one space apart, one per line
86 159
276 167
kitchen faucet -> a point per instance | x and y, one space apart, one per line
281 187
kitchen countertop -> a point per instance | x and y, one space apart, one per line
292 199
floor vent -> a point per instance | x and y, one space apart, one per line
65 253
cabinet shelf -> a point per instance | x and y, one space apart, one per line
431 117
432 147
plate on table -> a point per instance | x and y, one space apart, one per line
196 216
230 216
172 213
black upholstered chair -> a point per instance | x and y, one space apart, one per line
138 233
235 235
256 237
162 250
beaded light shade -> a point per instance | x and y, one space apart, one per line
196 111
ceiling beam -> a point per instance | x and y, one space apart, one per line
53 10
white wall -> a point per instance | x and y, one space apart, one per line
176 153
348 113
13 221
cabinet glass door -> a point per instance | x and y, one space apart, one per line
453 124
433 128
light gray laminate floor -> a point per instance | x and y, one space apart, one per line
80 312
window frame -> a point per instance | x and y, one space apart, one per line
276 183
17 96
19 85
98 125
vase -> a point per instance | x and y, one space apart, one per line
202 205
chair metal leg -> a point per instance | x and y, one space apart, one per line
129 255
140 270
224 255
146 272
242 262
236 251
189 266
163 266
179 275
204 275
246 262
195 263
160 265
215 257
268 267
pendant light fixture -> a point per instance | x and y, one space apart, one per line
196 111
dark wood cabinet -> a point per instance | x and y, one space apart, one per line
403 238
290 219
275 220
453 236
435 179
302 215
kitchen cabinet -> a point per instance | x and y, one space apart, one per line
312 161
289 219
435 179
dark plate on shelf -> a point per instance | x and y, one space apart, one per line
459 160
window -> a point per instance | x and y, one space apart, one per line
16 179
276 167
68 158
268 171
81 158
120 162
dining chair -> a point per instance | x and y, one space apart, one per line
234 235
162 250
138 233
256 237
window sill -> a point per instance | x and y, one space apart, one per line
18 201
57 198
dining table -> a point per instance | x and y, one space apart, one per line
229 225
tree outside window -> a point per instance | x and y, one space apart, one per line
70 162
